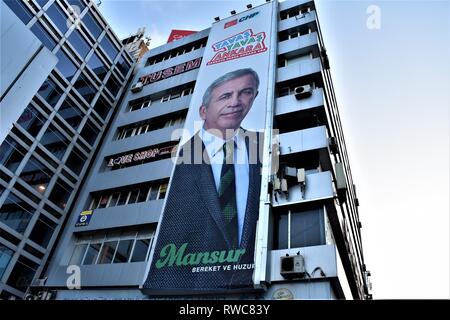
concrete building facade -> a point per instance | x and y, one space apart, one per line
111 227
63 71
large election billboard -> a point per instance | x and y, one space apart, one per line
206 235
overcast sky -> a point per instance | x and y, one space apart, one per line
392 86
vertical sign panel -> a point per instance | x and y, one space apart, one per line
206 235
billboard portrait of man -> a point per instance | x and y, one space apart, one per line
207 234
205 240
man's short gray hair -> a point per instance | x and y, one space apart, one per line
225 78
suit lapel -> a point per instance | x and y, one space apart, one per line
251 209
208 192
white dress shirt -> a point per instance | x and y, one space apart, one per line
213 145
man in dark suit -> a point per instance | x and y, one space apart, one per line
207 234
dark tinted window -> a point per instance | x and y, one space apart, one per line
46 39
92 253
41 2
113 85
281 232
20 9
5 257
58 17
55 142
107 253
79 43
92 25
307 229
42 231
50 92
90 132
23 273
16 213
60 193
11 154
97 66
79 3
140 250
123 251
123 66
85 88
76 161
71 113
31 120
109 47
65 65
36 174
102 107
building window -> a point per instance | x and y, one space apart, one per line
151 125
65 65
36 174
97 66
299 229
43 231
16 213
23 273
42 3
58 17
79 43
108 46
113 85
123 66
123 251
85 88
41 33
140 250
20 9
71 113
92 253
90 132
60 194
5 257
128 246
102 107
11 154
92 25
50 92
55 142
78 3
162 191
76 161
107 252
78 254
129 195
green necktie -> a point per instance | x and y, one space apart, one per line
227 193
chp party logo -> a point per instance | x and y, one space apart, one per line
237 46
235 21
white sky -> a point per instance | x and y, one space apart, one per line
392 87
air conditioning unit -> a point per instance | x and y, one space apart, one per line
292 267
301 176
303 92
290 172
136 87
284 185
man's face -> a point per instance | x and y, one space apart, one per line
230 103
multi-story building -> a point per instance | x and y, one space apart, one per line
112 225
63 71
